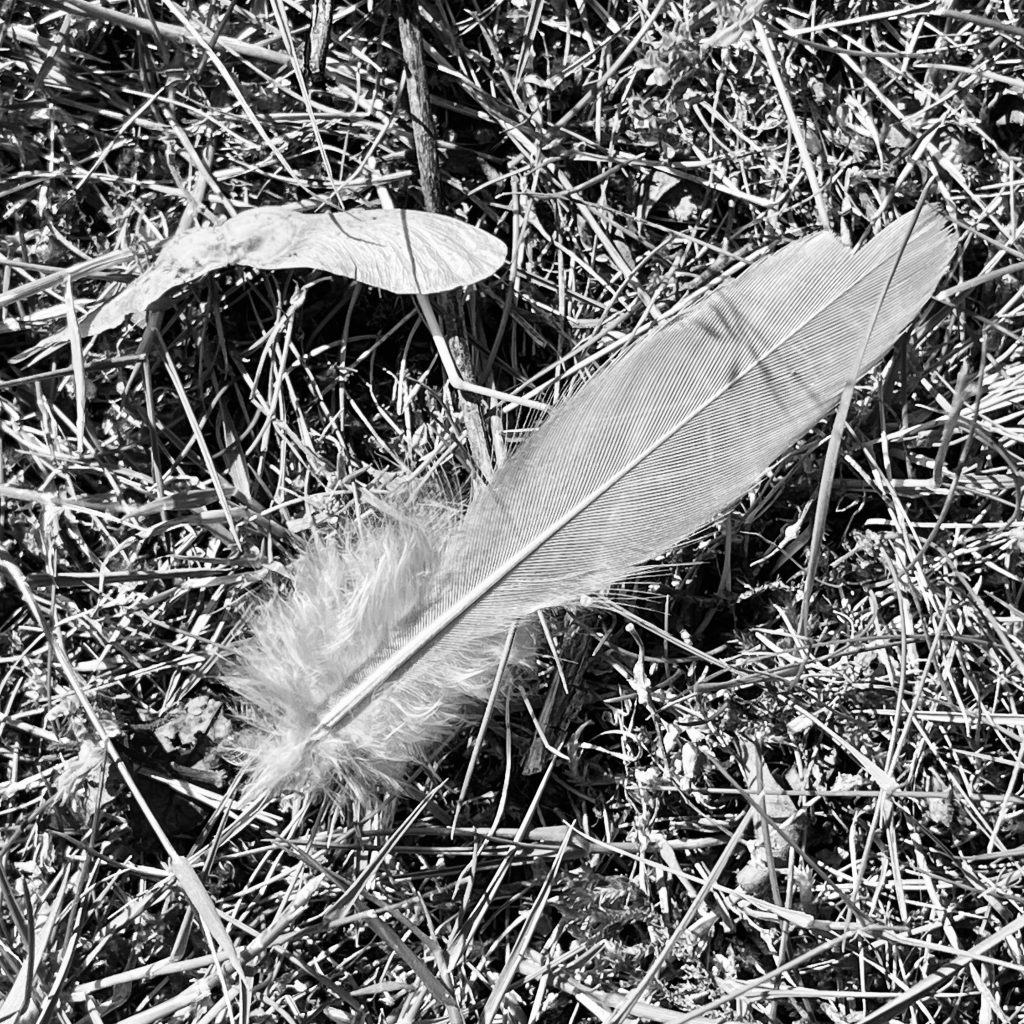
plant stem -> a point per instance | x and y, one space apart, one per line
453 322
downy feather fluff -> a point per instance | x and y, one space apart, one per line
388 636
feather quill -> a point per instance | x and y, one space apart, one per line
389 636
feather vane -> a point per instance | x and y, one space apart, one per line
387 640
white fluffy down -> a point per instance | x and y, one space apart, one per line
351 601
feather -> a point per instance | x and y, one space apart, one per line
388 638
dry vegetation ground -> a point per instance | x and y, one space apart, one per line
729 820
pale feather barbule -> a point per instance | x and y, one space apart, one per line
390 636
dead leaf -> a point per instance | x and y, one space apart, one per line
401 251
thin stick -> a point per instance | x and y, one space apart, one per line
453 322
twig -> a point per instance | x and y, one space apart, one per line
453 322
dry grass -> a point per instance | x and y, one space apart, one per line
725 820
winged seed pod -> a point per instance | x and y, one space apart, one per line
403 251
390 637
